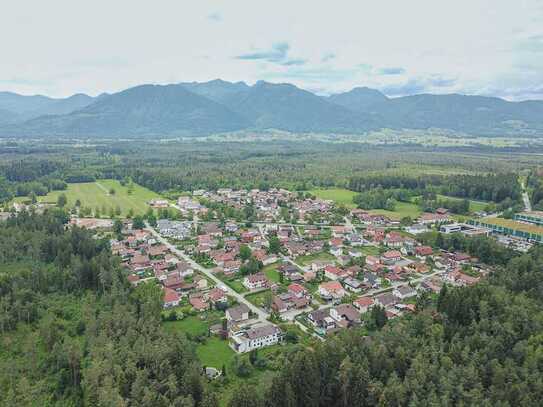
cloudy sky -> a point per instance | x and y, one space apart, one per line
61 47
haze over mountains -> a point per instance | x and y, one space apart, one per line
194 108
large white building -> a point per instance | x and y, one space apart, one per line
255 338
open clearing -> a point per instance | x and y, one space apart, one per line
215 352
96 195
338 195
401 210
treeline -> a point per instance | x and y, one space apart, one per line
380 198
535 183
30 178
491 187
477 346
73 332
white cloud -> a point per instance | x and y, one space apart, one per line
471 46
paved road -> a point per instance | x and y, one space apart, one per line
526 198
262 315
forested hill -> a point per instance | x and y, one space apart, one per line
72 333
193 109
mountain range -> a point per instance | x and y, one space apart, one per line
200 108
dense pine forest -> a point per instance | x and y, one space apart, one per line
73 332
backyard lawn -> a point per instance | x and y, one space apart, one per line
215 352
235 285
370 250
323 256
97 195
271 272
195 325
259 298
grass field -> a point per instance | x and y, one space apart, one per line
235 285
369 250
323 256
338 195
192 325
271 272
259 298
401 210
195 325
215 352
96 195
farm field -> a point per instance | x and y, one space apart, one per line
338 195
96 195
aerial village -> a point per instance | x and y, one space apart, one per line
264 258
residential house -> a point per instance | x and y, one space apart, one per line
217 295
238 313
346 315
255 281
332 290
391 257
404 292
321 319
297 290
255 338
363 304
423 251
385 300
353 284
171 298
198 304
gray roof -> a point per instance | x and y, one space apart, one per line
386 299
262 331
236 313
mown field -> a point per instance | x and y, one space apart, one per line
97 195
340 196
401 210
